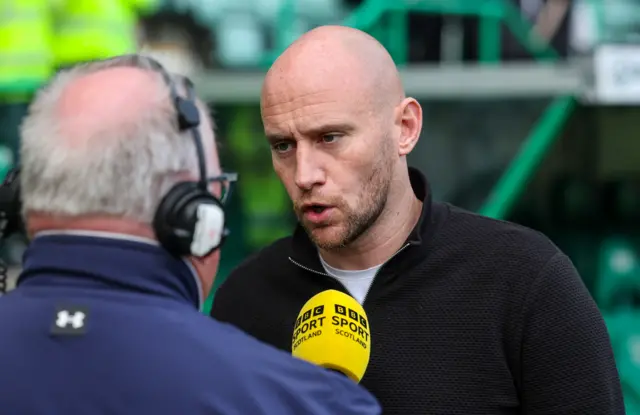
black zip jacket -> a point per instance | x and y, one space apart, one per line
472 316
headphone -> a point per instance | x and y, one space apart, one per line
189 219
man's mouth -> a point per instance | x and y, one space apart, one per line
315 208
316 212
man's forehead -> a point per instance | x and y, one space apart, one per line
312 117
299 95
290 97
303 82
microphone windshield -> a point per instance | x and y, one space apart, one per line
332 331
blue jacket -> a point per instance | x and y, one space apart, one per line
111 326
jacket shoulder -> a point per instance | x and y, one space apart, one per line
240 365
494 234
496 246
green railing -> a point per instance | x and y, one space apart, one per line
391 28
511 185
387 21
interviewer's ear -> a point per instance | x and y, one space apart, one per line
409 118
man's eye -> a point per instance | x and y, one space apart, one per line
282 147
330 138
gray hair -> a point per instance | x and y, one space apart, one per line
124 171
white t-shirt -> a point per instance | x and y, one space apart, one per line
356 282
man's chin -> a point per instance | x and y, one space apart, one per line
327 237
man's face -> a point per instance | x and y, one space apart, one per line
334 154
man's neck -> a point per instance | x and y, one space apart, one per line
107 226
379 243
37 223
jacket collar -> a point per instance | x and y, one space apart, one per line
305 254
114 262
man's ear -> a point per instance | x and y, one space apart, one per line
409 114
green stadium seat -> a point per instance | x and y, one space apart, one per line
268 10
238 29
313 12
319 12
618 20
240 40
624 329
618 284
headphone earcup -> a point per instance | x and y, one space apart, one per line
189 221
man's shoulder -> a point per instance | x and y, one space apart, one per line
500 239
227 346
484 252
265 372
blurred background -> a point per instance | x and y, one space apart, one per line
530 107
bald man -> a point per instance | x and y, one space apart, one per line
125 236
468 315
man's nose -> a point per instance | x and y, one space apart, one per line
309 172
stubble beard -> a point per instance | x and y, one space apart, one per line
371 201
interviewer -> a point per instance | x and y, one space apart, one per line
117 157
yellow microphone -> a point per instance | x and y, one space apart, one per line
332 331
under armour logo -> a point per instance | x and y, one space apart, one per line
76 319
70 320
